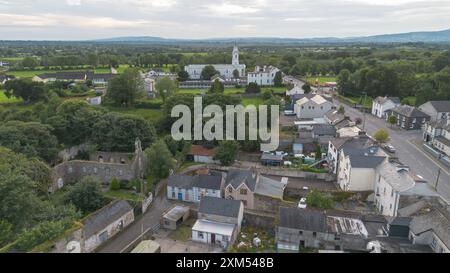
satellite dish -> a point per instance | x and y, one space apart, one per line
73 247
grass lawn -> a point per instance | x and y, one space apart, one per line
184 232
11 59
32 73
5 100
152 115
411 100
123 195
358 100
188 164
252 101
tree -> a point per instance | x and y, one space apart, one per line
278 79
392 120
208 72
160 160
217 87
118 132
306 87
343 81
126 88
183 76
39 234
341 110
165 87
6 232
381 136
86 195
26 89
316 199
252 88
115 184
266 95
318 152
30 62
30 138
358 121
235 74
227 152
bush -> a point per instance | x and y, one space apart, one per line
316 199
39 234
115 185
252 88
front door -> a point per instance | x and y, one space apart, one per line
213 238
180 196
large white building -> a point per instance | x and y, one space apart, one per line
225 70
312 106
381 105
263 76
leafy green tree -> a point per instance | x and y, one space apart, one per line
441 61
278 79
118 132
30 62
115 184
381 136
165 87
126 88
86 195
39 234
30 138
227 152
267 95
160 160
306 88
253 88
341 110
316 199
343 81
208 72
392 120
6 232
217 87
235 74
183 76
26 89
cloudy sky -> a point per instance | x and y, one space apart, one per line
91 19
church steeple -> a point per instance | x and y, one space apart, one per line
235 55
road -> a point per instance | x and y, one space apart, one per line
406 143
153 215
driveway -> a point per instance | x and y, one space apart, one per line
407 144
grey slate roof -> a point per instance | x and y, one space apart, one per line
237 177
270 187
434 220
382 100
271 157
441 106
324 130
409 111
303 219
105 216
363 157
213 181
401 221
219 206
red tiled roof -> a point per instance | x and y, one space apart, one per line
200 150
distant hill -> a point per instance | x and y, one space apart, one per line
411 37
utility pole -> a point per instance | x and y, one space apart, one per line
437 180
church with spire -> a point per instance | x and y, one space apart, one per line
225 70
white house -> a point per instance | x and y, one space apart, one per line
225 70
202 155
337 144
357 168
296 90
193 188
382 104
390 182
263 76
312 106
437 110
219 221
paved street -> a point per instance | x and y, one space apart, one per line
131 233
408 152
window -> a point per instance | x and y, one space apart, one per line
173 194
243 191
200 234
300 232
314 234
392 193
245 202
433 242
230 189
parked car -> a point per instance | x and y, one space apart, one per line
287 163
302 203
389 148
299 155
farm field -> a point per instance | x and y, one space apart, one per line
322 80
229 91
32 73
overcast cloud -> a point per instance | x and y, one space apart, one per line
92 19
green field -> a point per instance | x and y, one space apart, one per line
358 100
32 73
5 100
322 80
230 91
